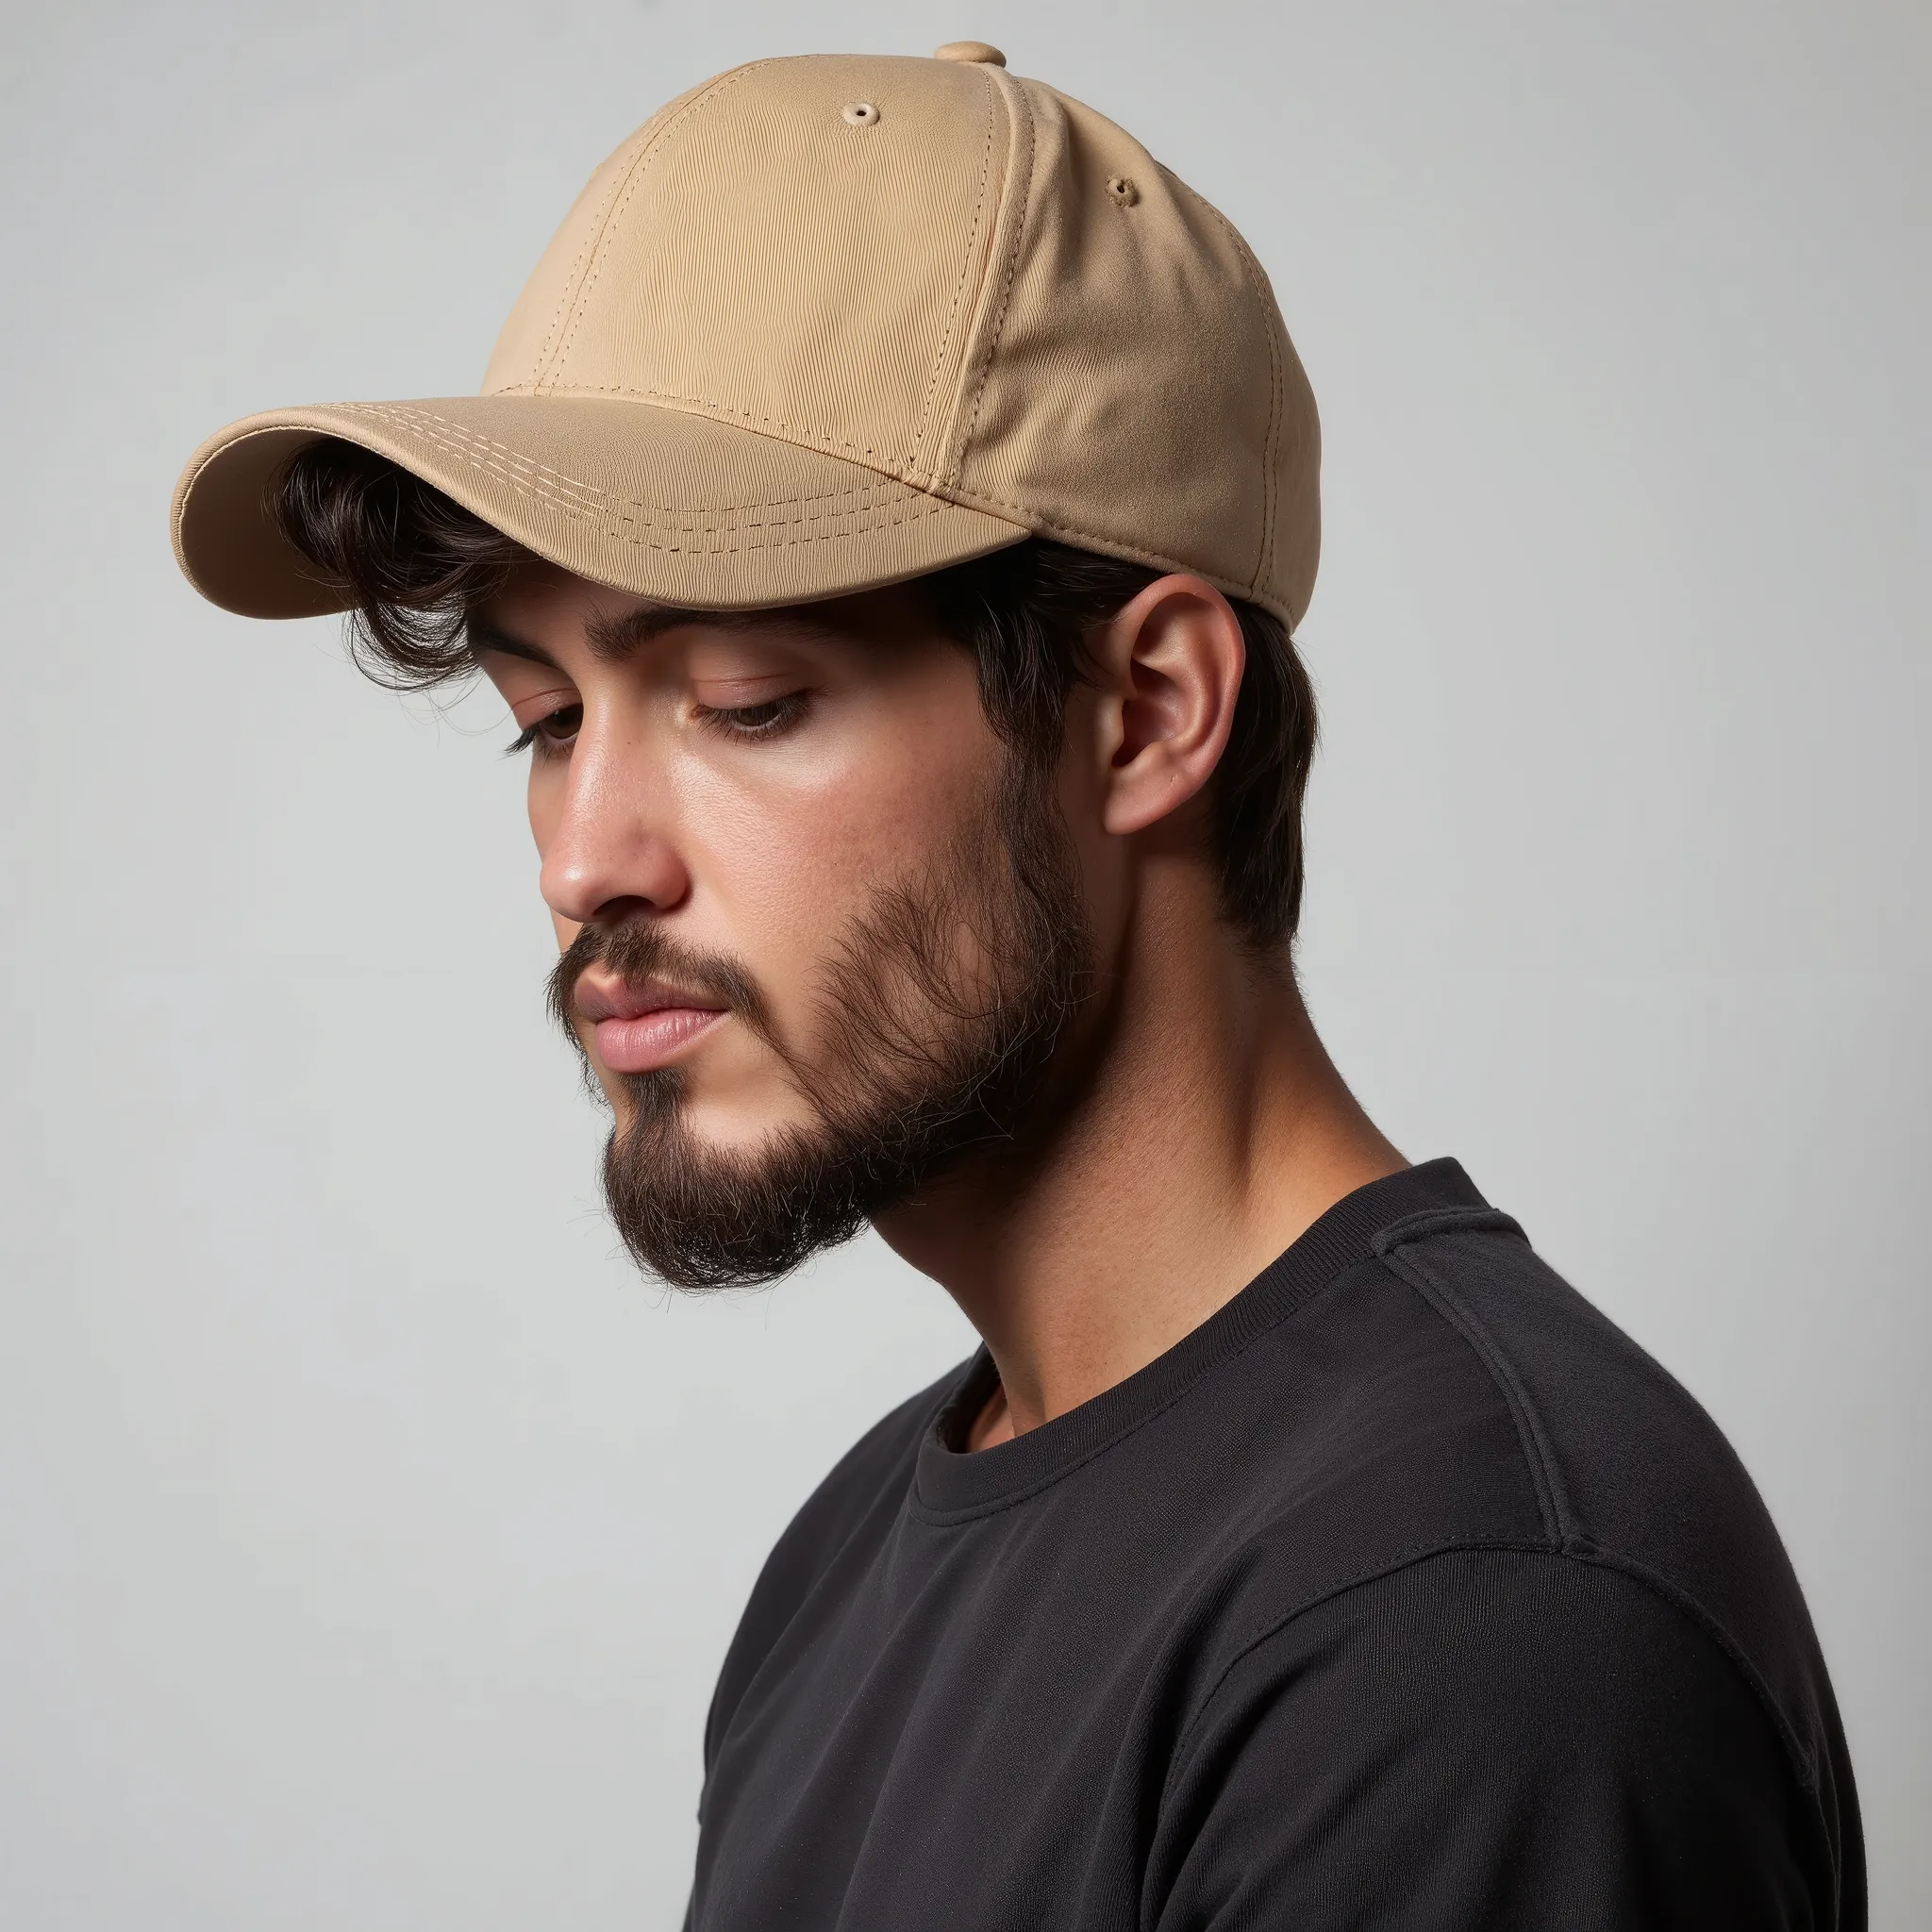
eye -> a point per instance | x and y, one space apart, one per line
768 720
549 735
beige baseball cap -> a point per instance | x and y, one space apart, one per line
823 323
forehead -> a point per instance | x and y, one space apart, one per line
544 613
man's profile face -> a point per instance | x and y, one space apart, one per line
821 929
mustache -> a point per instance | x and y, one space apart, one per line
638 949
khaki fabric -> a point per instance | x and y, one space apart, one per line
830 322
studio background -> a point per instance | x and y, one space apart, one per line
371 1535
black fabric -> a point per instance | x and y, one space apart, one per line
1406 1591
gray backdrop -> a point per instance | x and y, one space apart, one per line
372 1535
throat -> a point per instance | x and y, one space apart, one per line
994 1425
1204 1142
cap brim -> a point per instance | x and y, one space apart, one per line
659 502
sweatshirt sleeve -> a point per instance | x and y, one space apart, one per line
1494 1738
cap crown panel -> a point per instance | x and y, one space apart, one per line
762 257
529 338
1102 291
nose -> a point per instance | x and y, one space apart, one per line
610 851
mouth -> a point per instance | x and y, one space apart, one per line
641 1025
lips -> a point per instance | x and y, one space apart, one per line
643 1024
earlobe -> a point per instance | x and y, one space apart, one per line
1170 664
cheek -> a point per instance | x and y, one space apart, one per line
797 854
544 798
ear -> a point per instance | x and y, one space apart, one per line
1169 669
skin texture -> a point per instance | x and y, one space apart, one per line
749 779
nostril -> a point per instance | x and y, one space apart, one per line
615 913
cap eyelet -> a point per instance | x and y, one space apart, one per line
861 114
1122 191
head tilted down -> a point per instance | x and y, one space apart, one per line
844 890
885 513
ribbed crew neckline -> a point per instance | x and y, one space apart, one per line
952 1483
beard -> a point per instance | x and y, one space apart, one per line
943 1030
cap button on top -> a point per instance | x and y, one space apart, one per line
977 51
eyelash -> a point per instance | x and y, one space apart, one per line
534 738
771 718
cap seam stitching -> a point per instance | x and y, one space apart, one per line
406 417
639 168
695 522
975 499
1271 459
1117 546
1250 272
1253 274
1009 88
863 522
932 381
795 432
591 237
594 234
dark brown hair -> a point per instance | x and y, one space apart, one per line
417 565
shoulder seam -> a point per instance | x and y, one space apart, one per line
1406 1559
1396 1246
1801 1759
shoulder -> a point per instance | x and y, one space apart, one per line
1548 1540
1447 1411
1586 1737
1533 1648
1626 1467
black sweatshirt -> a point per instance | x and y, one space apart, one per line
1406 1591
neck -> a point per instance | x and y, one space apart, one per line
1213 1130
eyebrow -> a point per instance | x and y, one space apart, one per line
616 639
481 635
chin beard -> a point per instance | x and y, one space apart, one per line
929 1061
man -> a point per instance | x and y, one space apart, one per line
885 517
